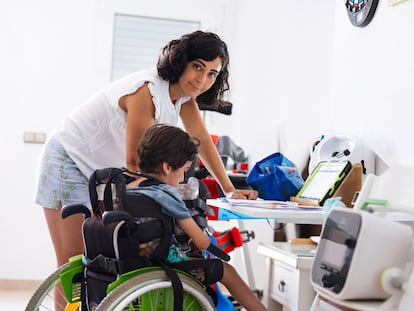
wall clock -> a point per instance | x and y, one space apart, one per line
361 12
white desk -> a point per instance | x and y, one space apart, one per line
281 215
298 216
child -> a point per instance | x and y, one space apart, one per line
166 153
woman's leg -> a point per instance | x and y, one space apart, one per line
66 235
240 290
59 179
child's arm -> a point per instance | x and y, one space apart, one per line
199 238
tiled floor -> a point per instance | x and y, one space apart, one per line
15 294
14 300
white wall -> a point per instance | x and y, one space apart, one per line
285 75
373 80
295 74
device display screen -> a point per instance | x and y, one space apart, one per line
335 250
322 179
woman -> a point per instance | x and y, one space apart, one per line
106 130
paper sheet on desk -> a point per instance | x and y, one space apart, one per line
272 204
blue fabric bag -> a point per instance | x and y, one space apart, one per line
275 177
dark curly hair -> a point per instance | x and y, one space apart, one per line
197 45
165 143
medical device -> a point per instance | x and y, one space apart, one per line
354 249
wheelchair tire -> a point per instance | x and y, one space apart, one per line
44 296
153 291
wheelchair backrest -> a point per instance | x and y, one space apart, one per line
143 222
108 193
107 190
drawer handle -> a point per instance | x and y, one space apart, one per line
281 286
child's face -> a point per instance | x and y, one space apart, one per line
174 177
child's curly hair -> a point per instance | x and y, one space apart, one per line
165 143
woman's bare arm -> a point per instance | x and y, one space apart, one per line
194 126
140 116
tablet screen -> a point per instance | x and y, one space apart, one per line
324 176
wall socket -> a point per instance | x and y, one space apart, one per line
34 138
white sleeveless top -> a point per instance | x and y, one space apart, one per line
94 134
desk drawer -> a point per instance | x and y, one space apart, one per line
284 284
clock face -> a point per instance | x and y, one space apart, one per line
361 12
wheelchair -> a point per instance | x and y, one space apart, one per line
112 273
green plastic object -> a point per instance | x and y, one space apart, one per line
163 299
71 279
368 202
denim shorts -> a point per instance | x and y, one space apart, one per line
59 179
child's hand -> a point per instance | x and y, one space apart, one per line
193 247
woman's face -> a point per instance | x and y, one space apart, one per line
198 76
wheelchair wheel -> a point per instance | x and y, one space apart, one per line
153 291
50 294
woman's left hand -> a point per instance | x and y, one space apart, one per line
246 194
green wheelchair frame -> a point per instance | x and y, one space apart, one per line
146 288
